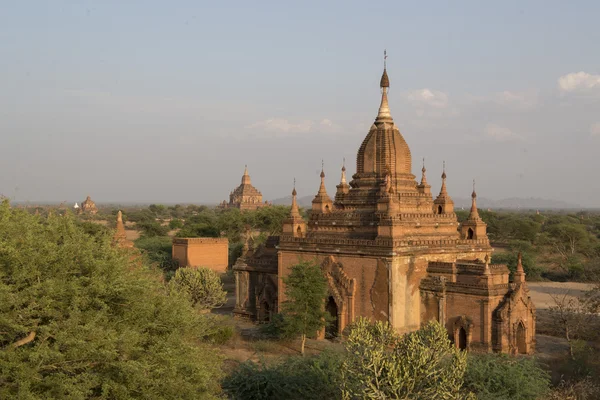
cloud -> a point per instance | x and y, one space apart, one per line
595 130
284 126
428 97
578 82
500 134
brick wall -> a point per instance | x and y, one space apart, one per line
211 253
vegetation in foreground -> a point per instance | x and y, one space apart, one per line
79 319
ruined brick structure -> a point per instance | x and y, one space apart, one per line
392 252
245 196
88 207
211 253
120 237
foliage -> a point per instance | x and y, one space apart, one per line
152 228
93 229
382 364
311 377
175 223
79 320
203 287
305 292
498 376
158 250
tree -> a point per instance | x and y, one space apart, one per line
79 319
203 287
304 309
381 364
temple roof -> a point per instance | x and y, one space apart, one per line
246 188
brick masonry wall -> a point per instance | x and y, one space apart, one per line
211 253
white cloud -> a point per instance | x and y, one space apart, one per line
595 130
428 97
500 134
578 81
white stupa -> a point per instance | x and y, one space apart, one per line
76 206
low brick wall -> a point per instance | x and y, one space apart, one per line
211 253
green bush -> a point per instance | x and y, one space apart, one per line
499 376
202 286
295 378
158 250
175 223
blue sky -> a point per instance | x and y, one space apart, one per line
166 101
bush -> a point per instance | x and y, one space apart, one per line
158 250
152 228
175 223
202 286
381 364
313 377
498 376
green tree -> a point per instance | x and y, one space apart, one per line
203 287
304 308
152 228
175 223
381 364
80 319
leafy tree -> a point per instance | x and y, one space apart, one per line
152 228
175 223
158 251
532 271
498 376
305 292
203 287
381 364
79 319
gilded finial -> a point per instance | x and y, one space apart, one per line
423 169
294 191
322 169
344 164
473 195
444 169
384 59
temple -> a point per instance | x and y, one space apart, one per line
88 207
245 196
391 252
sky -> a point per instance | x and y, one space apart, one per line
165 102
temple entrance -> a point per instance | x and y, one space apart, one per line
470 234
440 209
521 339
331 330
462 339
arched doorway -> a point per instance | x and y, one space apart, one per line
521 338
462 338
470 234
331 330
440 209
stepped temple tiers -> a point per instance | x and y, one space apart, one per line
391 252
245 196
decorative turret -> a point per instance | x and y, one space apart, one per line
343 188
294 225
424 187
473 227
519 275
245 196
443 204
246 176
322 202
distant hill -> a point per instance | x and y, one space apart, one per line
532 203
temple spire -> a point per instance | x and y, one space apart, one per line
384 108
343 178
443 190
246 176
423 177
519 275
294 212
474 214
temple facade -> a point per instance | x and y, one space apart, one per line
393 252
245 196
88 207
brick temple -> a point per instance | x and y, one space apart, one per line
392 252
245 196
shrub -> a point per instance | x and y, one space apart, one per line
381 364
498 376
203 287
158 250
312 377
175 223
